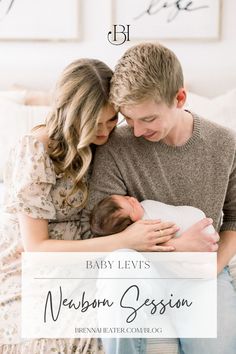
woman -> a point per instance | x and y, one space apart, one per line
46 189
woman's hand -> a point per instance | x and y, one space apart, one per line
146 235
195 239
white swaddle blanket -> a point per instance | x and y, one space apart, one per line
183 216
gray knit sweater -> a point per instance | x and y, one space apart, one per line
201 173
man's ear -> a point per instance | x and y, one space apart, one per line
181 97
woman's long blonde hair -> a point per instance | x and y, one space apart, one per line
81 93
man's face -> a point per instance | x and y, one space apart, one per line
151 120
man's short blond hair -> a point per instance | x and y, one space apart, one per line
146 71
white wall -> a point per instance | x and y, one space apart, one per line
209 66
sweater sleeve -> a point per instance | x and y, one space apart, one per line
106 179
229 209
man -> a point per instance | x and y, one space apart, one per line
171 155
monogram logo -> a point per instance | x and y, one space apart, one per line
119 34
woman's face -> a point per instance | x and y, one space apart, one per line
107 120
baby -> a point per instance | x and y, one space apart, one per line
114 213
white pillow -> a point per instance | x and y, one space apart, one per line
220 109
15 121
1 194
17 96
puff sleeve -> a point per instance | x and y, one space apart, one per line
29 177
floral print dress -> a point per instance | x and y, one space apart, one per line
33 188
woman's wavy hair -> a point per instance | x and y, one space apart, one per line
81 93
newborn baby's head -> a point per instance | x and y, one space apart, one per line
114 213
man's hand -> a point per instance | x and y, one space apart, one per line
195 239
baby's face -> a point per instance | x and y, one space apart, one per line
130 207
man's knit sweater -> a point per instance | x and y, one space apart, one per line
201 173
